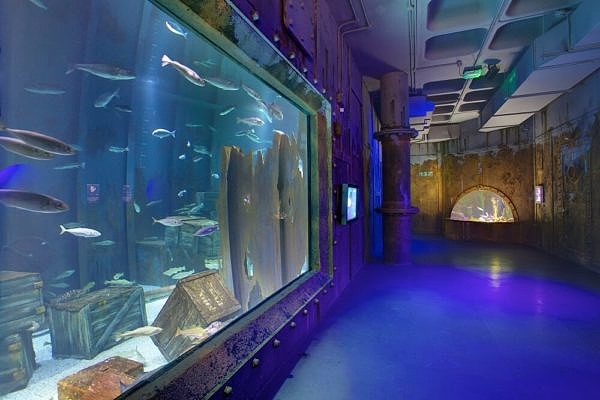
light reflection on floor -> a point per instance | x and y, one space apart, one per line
467 321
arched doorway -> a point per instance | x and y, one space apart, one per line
484 204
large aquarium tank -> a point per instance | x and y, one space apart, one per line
152 191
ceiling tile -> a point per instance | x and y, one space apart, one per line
455 44
439 87
479 95
451 14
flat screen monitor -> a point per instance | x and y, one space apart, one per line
349 203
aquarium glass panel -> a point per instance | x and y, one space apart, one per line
482 206
152 190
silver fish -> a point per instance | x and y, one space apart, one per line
252 121
251 92
181 193
105 98
222 84
186 72
45 89
70 166
34 326
167 221
182 275
188 144
123 108
264 109
118 282
74 225
104 243
103 71
278 132
40 140
64 275
153 202
118 275
81 232
181 157
39 3
175 28
88 286
59 285
245 132
193 125
117 149
137 207
275 111
173 271
17 146
214 175
162 133
196 209
227 110
198 158
198 148
30 201
143 331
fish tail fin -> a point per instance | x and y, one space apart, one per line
177 332
165 60
185 34
154 220
173 133
127 148
71 68
62 229
118 337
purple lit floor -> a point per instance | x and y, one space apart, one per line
467 321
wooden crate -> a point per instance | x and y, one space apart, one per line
101 381
17 362
21 302
85 326
197 300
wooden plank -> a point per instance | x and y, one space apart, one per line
133 298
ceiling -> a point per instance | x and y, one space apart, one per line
434 40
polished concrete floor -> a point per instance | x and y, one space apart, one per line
466 321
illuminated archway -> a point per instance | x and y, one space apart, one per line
484 204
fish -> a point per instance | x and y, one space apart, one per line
181 157
137 207
134 355
118 282
116 149
198 158
264 108
70 166
256 139
198 148
196 209
88 286
176 29
64 275
167 221
153 203
222 84
193 125
118 275
206 230
39 3
74 225
196 332
253 121
40 140
59 285
105 98
162 133
143 331
278 132
123 108
34 326
182 275
251 92
188 144
104 243
301 167
30 201
245 132
186 72
103 71
81 232
275 111
227 110
17 146
214 175
181 193
208 63
45 89
173 270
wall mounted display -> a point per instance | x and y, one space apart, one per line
483 204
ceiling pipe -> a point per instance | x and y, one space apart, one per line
342 34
